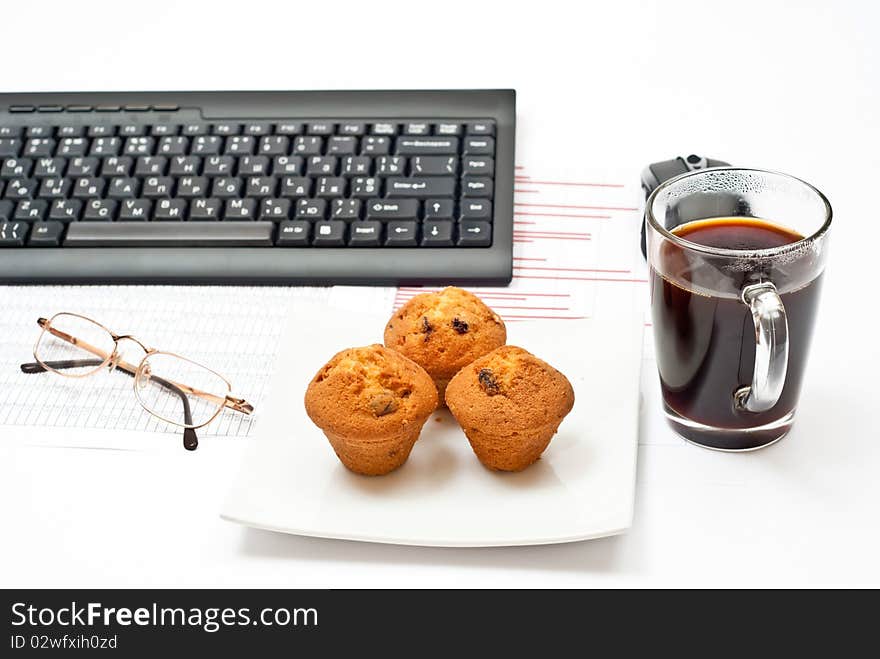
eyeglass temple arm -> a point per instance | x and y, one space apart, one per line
232 402
190 439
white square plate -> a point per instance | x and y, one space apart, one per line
582 487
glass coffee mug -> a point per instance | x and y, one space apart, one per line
736 259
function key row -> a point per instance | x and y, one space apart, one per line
239 145
355 129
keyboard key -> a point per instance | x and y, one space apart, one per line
357 165
65 210
329 233
296 186
226 187
30 210
474 234
321 165
365 234
83 166
185 165
206 145
329 187
390 166
157 187
253 165
479 146
11 131
240 145
476 209
294 233
481 128
135 210
420 187
476 186
289 128
13 234
401 234
401 209
437 233
227 129
101 130
308 146
39 147
117 165
352 128
321 128
170 210
46 234
169 234
240 209
49 167
39 131
428 146
274 145
16 168
261 186
439 209
205 210
100 210
342 145
479 166
199 128
54 188
347 210
375 145
133 130
139 146
364 187
106 146
274 210
219 166
311 209
151 166
9 147
123 188
189 187
175 145
72 147
417 129
161 130
434 166
21 188
257 128
287 165
384 128
448 129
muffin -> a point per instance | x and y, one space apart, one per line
443 332
509 404
371 403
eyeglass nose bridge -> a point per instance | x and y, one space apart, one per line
114 360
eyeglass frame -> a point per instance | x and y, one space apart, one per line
114 361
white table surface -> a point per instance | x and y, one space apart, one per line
755 83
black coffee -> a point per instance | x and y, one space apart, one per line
706 344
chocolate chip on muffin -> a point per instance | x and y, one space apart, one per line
445 331
509 404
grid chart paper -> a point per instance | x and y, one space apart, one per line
233 330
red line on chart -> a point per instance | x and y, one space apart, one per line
592 208
554 233
524 267
578 184
525 191
501 306
415 291
506 316
632 281
518 167
523 258
523 223
589 217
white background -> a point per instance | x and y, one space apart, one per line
788 86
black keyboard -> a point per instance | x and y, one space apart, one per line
373 187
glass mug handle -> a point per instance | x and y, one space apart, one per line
771 349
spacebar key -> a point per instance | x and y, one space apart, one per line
169 234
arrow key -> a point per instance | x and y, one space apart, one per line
439 209
437 233
401 234
474 234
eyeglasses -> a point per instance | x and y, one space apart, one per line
170 387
